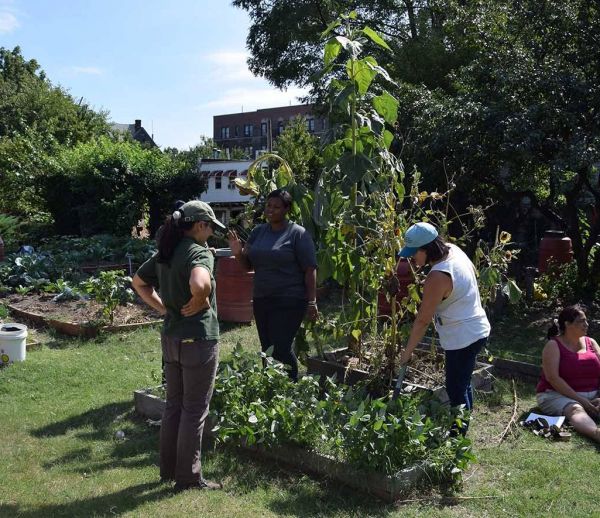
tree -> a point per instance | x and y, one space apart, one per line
36 120
523 118
108 186
285 43
504 95
301 150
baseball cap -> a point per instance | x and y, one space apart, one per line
197 210
416 236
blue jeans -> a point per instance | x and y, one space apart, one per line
277 322
460 364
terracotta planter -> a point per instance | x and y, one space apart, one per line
234 291
405 278
555 247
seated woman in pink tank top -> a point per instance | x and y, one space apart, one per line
571 373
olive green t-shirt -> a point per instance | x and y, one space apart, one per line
172 281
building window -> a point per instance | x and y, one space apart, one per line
237 131
310 125
263 129
218 182
225 132
220 215
247 130
232 176
279 127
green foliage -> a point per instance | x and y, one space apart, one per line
111 289
4 312
36 120
63 290
256 405
491 263
32 271
560 285
300 150
9 230
100 248
106 186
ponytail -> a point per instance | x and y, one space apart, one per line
553 331
170 235
569 314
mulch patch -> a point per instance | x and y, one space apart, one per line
80 311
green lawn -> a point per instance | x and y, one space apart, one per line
60 409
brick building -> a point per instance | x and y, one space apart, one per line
255 131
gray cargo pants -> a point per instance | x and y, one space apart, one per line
190 369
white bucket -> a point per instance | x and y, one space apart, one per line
13 338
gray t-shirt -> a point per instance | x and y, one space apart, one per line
279 260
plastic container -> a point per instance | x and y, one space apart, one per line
13 339
555 247
234 291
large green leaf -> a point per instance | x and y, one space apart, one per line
489 276
354 168
513 291
386 105
375 38
361 73
332 50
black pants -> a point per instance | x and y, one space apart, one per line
277 321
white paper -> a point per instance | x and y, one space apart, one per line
552 419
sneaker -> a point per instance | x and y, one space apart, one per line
202 484
209 484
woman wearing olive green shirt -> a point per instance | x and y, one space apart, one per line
182 272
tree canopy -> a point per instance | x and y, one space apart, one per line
504 96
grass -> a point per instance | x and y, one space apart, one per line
60 409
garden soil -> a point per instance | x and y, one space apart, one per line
80 311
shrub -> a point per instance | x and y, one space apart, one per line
256 405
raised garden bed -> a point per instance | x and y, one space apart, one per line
78 317
93 268
423 374
527 372
149 404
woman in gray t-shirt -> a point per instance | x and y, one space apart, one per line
282 255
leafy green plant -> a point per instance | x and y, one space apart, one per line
64 291
110 289
560 284
3 312
256 405
23 290
9 229
33 271
491 263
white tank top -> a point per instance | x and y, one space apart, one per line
460 319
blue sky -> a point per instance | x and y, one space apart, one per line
173 64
